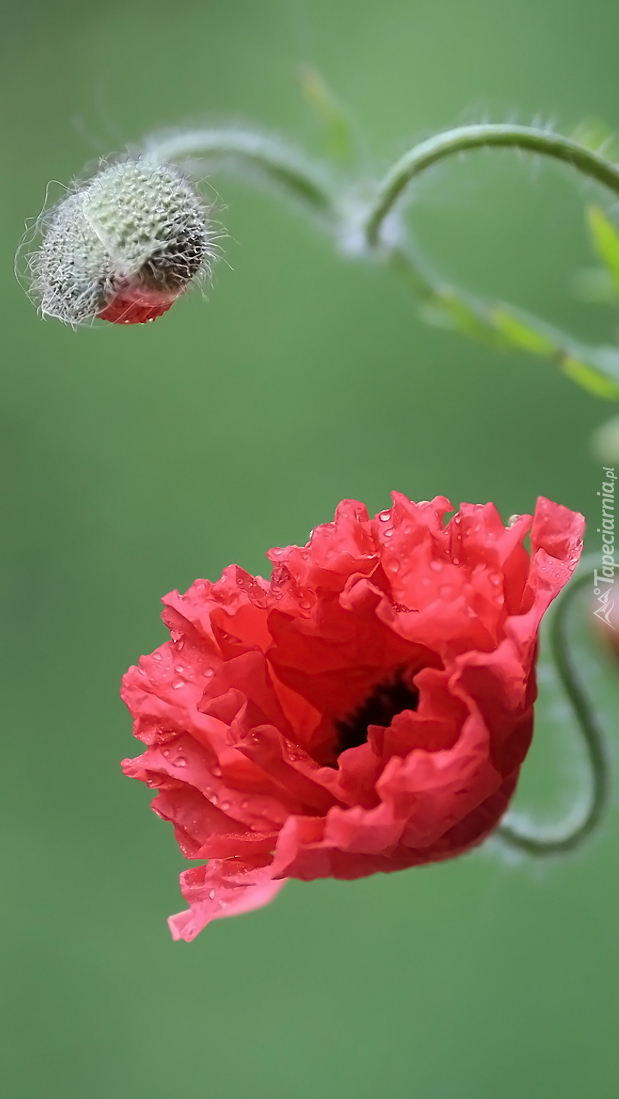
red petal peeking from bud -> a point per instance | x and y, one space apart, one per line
134 307
365 710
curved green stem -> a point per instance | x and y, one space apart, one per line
593 738
249 149
503 135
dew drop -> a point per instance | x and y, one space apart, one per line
165 752
225 805
157 657
436 565
207 673
178 683
180 668
180 762
244 804
180 644
217 772
211 895
389 532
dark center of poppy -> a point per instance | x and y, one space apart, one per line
380 707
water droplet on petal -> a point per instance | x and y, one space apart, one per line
216 771
384 516
157 656
178 683
180 762
180 668
207 673
211 895
225 805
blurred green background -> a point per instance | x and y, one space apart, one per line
136 460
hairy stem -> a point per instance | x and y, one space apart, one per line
245 149
593 738
251 153
503 135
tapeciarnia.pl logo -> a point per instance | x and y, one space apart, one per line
603 582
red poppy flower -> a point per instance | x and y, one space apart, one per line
367 709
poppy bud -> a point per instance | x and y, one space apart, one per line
122 246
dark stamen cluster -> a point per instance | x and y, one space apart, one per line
379 708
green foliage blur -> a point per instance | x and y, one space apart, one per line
135 460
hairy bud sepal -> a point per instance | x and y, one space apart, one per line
122 246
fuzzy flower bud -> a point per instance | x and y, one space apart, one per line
122 246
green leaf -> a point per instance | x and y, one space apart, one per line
595 369
464 317
522 333
339 138
590 378
606 240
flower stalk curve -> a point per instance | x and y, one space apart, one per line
483 136
570 836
